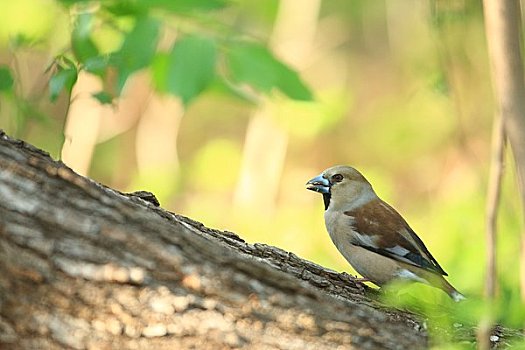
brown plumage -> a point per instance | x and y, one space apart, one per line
372 236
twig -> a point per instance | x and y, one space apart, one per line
486 325
493 199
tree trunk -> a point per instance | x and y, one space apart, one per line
503 28
83 266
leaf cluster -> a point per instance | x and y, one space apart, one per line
201 57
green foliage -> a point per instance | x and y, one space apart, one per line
97 65
6 78
141 7
190 67
103 97
20 40
447 319
138 49
64 79
182 6
255 65
82 45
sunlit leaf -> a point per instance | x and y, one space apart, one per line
138 49
81 42
159 69
190 67
64 79
255 65
6 78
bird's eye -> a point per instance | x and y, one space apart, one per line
337 178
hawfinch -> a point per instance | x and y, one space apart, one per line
371 235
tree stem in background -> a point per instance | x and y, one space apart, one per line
502 25
493 198
266 141
502 21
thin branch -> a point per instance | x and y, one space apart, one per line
486 325
493 199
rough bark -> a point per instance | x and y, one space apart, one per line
83 266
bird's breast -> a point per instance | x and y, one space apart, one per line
340 228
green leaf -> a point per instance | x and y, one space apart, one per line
183 6
224 87
143 7
64 79
83 46
6 78
63 60
255 65
190 67
159 69
138 49
72 2
103 97
96 65
121 9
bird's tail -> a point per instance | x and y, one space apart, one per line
451 291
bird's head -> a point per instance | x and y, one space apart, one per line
341 186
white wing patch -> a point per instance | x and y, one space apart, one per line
409 275
365 240
371 241
398 250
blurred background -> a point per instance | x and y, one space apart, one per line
401 91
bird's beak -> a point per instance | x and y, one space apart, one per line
318 184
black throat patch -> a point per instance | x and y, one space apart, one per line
326 200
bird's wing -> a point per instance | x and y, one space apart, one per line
379 228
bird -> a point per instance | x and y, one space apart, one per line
371 235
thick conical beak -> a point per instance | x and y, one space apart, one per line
318 184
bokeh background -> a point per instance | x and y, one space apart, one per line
402 92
